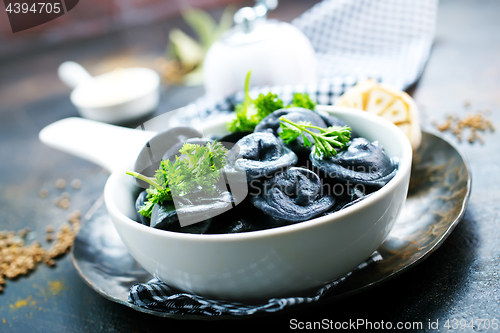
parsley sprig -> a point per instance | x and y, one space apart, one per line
324 141
197 168
302 101
251 111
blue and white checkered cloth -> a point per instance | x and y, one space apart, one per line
387 39
156 295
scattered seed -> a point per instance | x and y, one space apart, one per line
65 195
60 183
43 193
17 259
76 183
474 121
64 203
22 233
65 237
50 262
75 215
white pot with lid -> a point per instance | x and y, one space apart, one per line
276 52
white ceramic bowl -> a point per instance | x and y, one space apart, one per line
141 100
283 261
115 97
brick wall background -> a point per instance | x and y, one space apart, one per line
93 18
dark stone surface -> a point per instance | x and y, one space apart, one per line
458 281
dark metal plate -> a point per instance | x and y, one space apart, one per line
439 190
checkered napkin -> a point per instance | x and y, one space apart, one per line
389 40
156 295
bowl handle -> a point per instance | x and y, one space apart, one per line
112 147
73 74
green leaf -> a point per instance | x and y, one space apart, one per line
245 111
203 25
189 52
324 142
267 104
250 112
289 133
194 77
307 143
199 166
302 100
225 22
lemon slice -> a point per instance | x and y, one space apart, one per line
392 104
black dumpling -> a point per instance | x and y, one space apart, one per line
259 155
363 162
271 124
243 218
139 202
164 216
294 195
330 120
196 208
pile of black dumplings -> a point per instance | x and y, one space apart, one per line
287 183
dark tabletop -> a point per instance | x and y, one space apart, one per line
458 281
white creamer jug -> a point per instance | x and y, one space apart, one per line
276 52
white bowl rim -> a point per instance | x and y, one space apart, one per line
403 168
155 84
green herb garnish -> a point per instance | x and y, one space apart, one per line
250 112
302 101
197 168
158 190
324 141
267 104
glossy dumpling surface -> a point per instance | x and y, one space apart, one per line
199 209
271 124
294 195
363 162
139 202
260 155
